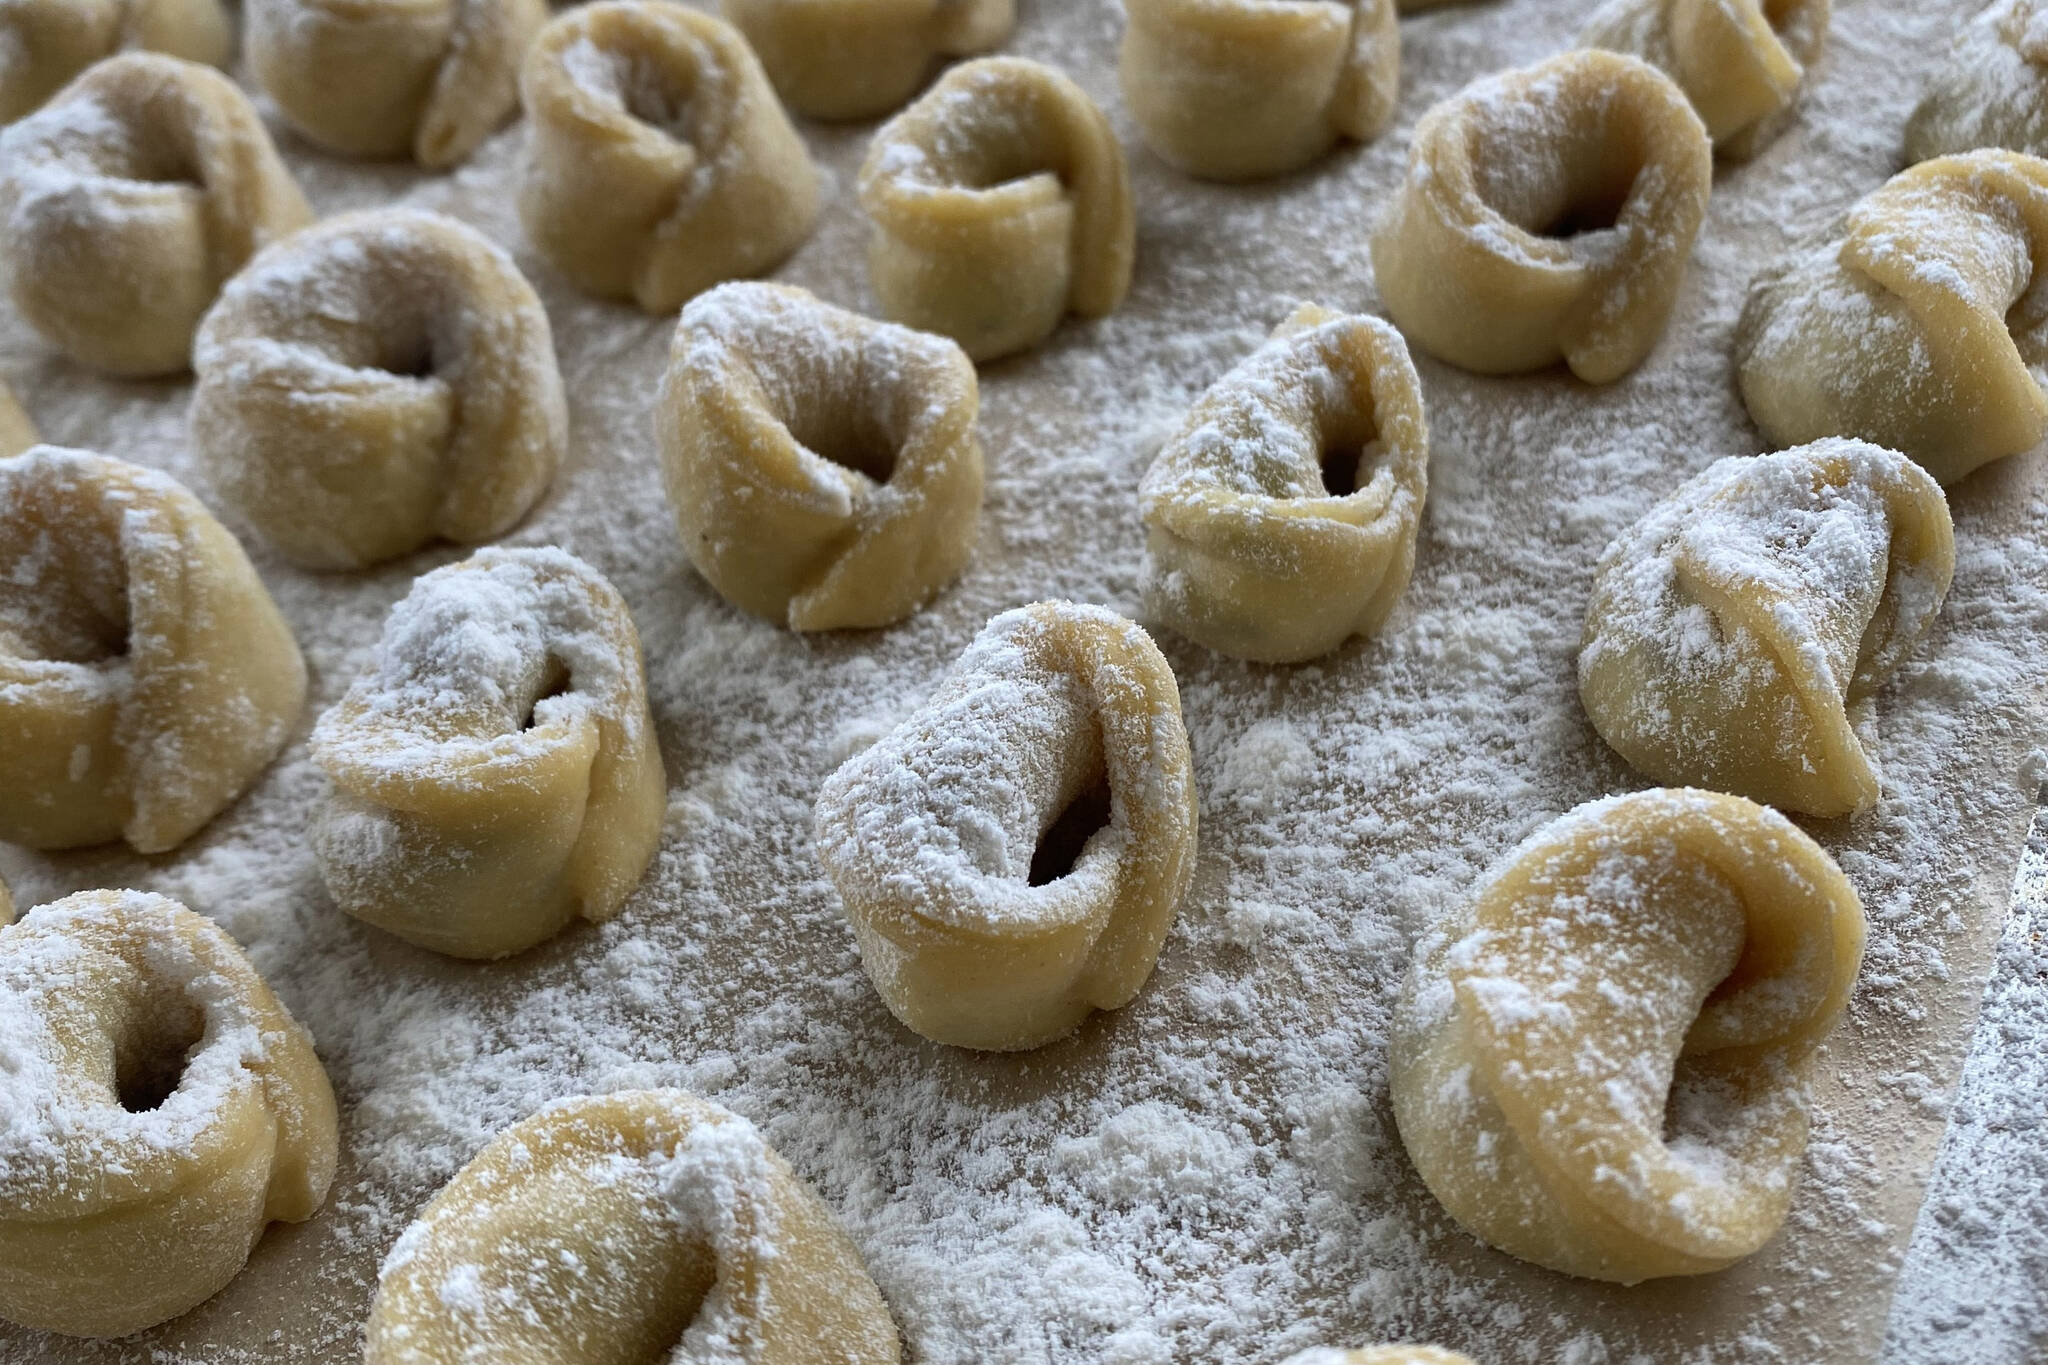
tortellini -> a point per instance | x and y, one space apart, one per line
1667 959
856 59
1738 632
1012 855
496 775
390 79
824 468
1913 321
48 42
1280 519
127 201
146 677
1001 203
659 162
162 1109
1240 89
375 382
1993 89
1548 214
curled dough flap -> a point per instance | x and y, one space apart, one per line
45 43
1992 91
858 59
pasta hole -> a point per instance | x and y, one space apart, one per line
1066 838
554 682
1345 464
150 1063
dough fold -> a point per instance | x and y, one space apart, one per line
128 200
860 59
44 44
642 1225
146 677
1280 519
1993 89
163 1109
374 383
1012 855
1001 202
1548 214
1671 957
497 773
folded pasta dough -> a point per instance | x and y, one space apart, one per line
17 432
643 1225
128 200
1992 91
1012 855
497 774
1241 89
1548 214
163 1108
1671 957
858 59
1913 321
1379 1355
659 161
48 42
375 382
1740 62
1280 519
425 79
1738 633
146 677
1001 202
824 468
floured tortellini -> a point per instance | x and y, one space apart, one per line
146 677
496 775
47 42
1740 62
1281 517
1239 89
425 79
127 201
1914 321
1599 1065
1737 633
659 161
823 467
1001 203
1993 89
856 59
1012 855
1548 214
375 382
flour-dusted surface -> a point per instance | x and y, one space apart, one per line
1211 1173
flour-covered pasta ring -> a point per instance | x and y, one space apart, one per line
128 200
17 432
376 382
1737 633
1241 89
391 79
496 775
1670 952
1914 321
1740 62
643 1225
1012 855
1548 214
1379 1355
162 1108
1001 203
857 59
48 42
1251 550
660 162
1992 91
146 677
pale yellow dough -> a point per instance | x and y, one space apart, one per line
824 468
1249 551
17 432
1548 214
1380 1355
1993 89
392 79
1242 89
1914 321
128 200
1740 62
1737 635
163 1109
659 161
6 904
858 59
1001 203
496 774
146 677
1012 855
48 42
374 383
638 1226
1672 955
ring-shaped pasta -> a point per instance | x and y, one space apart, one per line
48 42
1992 91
